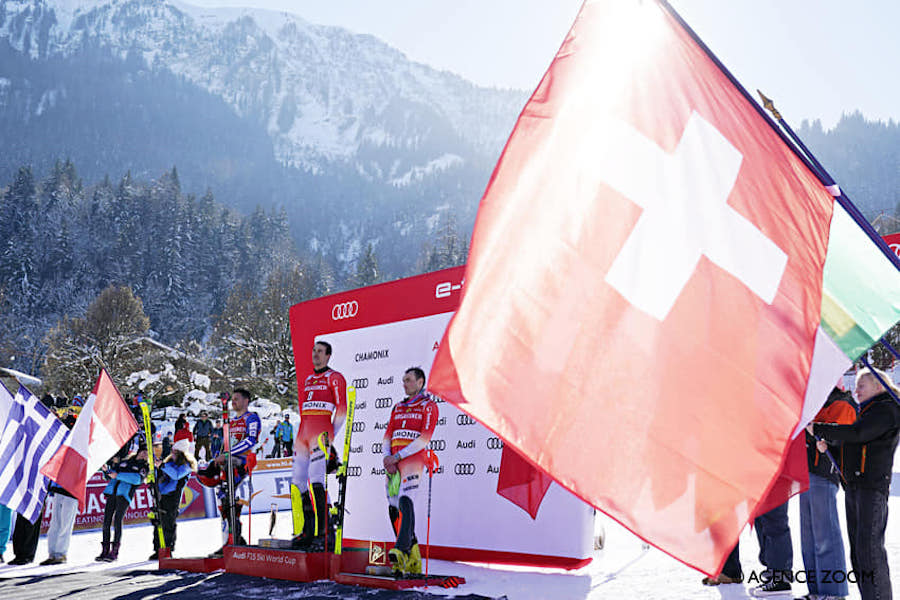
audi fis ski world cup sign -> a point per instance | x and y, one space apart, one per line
401 326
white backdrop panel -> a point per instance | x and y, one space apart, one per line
466 511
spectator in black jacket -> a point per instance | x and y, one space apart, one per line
166 446
172 475
25 538
202 434
69 419
125 474
868 460
215 443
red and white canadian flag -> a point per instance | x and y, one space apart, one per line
644 285
104 425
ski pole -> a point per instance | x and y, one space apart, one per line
431 462
250 507
229 492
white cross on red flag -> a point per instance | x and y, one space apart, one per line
644 286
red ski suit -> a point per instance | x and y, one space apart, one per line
407 435
323 407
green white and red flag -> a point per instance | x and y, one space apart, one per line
659 292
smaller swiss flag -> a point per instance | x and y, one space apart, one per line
520 483
104 425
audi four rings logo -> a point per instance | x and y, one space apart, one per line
383 402
464 420
344 310
377 448
358 427
494 443
437 444
361 384
464 468
354 471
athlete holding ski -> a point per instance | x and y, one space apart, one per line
407 436
244 427
323 409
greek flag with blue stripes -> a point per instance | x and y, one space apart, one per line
31 435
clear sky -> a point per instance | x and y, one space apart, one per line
815 58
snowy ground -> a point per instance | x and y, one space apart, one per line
622 570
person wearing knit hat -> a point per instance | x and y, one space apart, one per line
183 432
172 475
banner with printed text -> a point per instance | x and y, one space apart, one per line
192 505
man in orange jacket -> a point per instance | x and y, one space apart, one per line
820 530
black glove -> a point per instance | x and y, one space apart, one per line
333 461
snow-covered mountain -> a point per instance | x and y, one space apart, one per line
322 94
358 144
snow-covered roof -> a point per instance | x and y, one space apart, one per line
23 378
265 408
175 353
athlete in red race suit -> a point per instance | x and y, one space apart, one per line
323 408
407 436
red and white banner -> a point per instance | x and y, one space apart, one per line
377 333
104 425
91 515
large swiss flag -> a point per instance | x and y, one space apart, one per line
644 285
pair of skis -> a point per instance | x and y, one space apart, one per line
338 509
154 515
